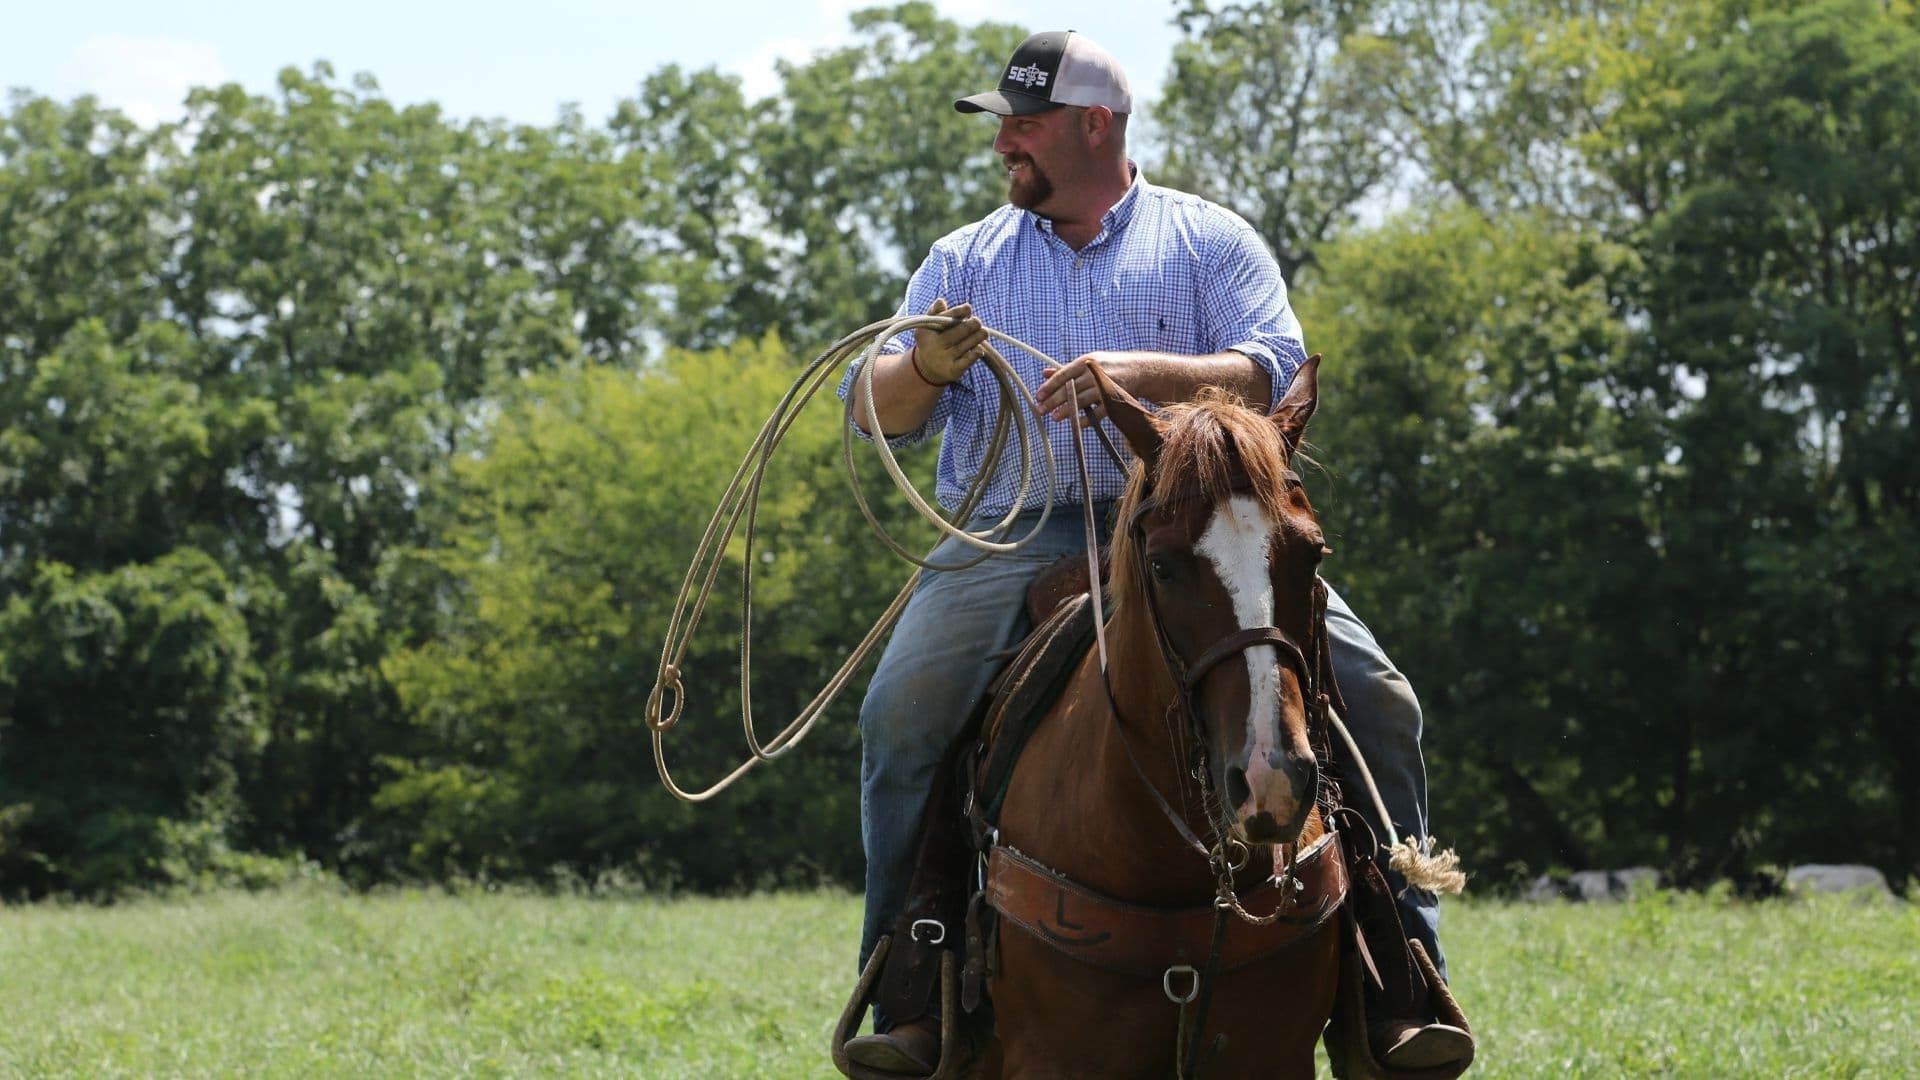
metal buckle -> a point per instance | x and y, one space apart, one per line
980 870
1193 987
914 931
1225 854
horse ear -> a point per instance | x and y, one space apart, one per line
1142 431
1296 408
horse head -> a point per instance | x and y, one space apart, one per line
1220 550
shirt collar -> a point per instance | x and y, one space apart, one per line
1117 215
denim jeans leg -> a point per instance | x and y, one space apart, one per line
1384 716
934 668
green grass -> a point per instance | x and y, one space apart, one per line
309 982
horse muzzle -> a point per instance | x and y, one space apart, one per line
1270 795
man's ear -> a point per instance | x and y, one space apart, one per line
1097 122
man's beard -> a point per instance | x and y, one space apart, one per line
1030 189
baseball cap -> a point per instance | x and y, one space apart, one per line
1053 69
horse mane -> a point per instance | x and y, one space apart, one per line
1203 442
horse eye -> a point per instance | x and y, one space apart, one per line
1161 569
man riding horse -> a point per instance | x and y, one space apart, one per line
1171 295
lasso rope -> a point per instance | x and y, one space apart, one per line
667 700
1439 873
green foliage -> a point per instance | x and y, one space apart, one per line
1784 282
130 703
566 540
1622 480
1275 110
872 162
1483 496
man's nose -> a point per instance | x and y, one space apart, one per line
1002 141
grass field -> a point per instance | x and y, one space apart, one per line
311 982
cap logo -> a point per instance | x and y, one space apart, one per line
1029 76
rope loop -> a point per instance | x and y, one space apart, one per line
738 511
669 678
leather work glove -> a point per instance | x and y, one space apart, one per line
941 356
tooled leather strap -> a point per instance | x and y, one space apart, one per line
1240 641
1131 939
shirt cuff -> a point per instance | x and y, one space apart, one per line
1278 377
919 435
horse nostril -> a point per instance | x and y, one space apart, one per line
1306 774
1238 790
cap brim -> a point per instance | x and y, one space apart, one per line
1004 103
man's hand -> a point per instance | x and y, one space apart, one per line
1067 389
942 356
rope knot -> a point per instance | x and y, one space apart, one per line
669 678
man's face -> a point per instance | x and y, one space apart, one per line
1038 150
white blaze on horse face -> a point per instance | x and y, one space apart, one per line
1238 543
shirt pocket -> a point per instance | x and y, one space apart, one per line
1154 312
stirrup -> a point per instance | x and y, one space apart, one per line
1348 1036
863 996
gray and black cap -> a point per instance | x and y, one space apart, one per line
1053 69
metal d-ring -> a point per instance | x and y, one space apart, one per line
914 931
1193 987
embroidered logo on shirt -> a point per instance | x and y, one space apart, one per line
1029 76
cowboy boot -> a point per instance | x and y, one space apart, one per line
1441 1043
908 1005
911 1048
1414 1024
1413 1028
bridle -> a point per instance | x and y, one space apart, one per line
1315 676
1316 682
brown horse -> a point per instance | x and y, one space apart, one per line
1216 655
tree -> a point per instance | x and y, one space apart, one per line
867 163
129 700
1785 285
1483 500
563 550
1270 111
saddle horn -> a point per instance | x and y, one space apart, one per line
1135 422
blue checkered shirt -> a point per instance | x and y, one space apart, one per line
1169 272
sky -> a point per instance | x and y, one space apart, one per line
485 58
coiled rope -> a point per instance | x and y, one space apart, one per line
739 507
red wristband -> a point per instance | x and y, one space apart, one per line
913 357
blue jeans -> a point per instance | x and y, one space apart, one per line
943 654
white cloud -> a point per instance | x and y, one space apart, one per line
146 78
759 79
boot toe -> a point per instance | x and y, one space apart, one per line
910 1049
1425 1046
